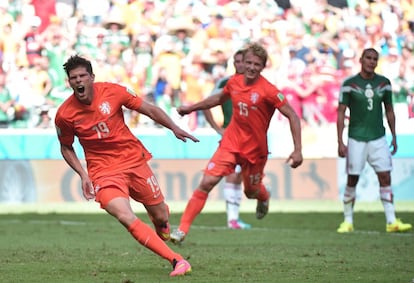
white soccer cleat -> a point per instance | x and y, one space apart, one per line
177 236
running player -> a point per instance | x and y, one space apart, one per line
244 141
117 168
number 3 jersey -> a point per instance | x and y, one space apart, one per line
253 108
108 143
365 98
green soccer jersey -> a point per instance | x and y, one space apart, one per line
365 99
226 107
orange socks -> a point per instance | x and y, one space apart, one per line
149 239
193 208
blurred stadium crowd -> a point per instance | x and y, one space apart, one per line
172 51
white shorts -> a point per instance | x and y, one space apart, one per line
376 153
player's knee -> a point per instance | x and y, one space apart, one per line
126 219
384 179
207 184
352 180
160 219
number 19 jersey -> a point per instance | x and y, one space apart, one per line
108 143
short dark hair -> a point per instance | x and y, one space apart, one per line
369 50
239 52
76 61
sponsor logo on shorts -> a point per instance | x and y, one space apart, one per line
211 165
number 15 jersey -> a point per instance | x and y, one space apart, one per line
253 108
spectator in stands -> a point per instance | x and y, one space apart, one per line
116 38
6 103
181 30
160 83
141 57
196 84
56 49
21 92
307 89
400 95
9 46
40 81
93 12
33 41
169 58
237 22
169 101
217 29
328 92
45 121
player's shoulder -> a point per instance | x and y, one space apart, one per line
352 78
352 81
235 77
67 103
266 86
381 78
105 85
264 81
112 91
66 109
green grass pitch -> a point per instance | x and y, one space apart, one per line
288 245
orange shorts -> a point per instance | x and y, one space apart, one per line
224 162
139 183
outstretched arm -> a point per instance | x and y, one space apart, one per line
159 116
73 161
206 103
295 158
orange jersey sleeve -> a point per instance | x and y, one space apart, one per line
253 108
107 142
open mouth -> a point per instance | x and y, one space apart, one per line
80 89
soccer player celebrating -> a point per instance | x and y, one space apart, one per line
365 94
244 141
232 185
116 160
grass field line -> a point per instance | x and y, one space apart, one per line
197 227
211 206
364 232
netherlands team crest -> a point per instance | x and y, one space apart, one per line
105 108
254 97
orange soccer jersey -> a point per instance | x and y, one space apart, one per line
253 108
108 143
